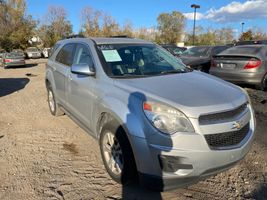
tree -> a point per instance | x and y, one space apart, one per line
171 27
90 22
55 27
246 36
259 35
224 35
16 26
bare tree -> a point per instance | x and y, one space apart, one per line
55 27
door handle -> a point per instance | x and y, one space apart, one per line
70 77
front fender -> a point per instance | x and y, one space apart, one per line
129 118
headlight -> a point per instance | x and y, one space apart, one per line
167 119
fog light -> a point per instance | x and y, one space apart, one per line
173 163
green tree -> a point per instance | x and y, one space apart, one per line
16 26
246 36
171 27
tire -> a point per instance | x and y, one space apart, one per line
117 154
263 85
53 106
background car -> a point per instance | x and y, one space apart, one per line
251 42
2 52
19 51
199 57
45 52
12 60
33 52
242 64
174 50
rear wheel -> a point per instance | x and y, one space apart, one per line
263 85
53 106
116 153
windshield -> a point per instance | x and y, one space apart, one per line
197 51
32 49
135 60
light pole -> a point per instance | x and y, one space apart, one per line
242 27
195 6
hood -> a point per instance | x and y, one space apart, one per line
191 60
193 93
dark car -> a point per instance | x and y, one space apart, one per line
199 57
12 60
242 64
251 42
174 50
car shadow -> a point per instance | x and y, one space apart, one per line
25 66
11 85
260 193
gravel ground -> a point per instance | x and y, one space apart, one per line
46 157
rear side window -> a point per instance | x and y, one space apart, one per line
53 49
65 55
82 55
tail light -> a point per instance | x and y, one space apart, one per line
7 60
252 63
212 63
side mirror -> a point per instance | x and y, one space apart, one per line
83 69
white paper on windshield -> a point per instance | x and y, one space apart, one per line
111 55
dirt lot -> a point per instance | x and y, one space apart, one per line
46 157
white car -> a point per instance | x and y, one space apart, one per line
45 52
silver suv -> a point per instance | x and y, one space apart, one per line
154 118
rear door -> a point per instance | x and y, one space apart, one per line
60 68
80 88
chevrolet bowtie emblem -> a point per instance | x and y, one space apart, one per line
237 125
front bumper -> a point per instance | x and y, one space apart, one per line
194 160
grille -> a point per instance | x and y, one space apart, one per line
222 117
224 140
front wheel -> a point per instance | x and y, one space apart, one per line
53 106
117 154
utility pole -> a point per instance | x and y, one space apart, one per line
195 6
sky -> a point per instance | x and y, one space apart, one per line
144 13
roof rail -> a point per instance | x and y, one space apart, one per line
74 36
119 36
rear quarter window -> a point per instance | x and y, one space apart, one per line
65 55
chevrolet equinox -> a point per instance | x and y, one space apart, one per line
154 118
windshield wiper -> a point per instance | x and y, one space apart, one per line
129 76
172 72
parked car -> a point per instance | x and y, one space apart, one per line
251 42
33 52
154 118
242 64
174 50
19 51
199 57
45 52
12 60
2 52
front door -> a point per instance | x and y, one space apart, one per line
80 88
